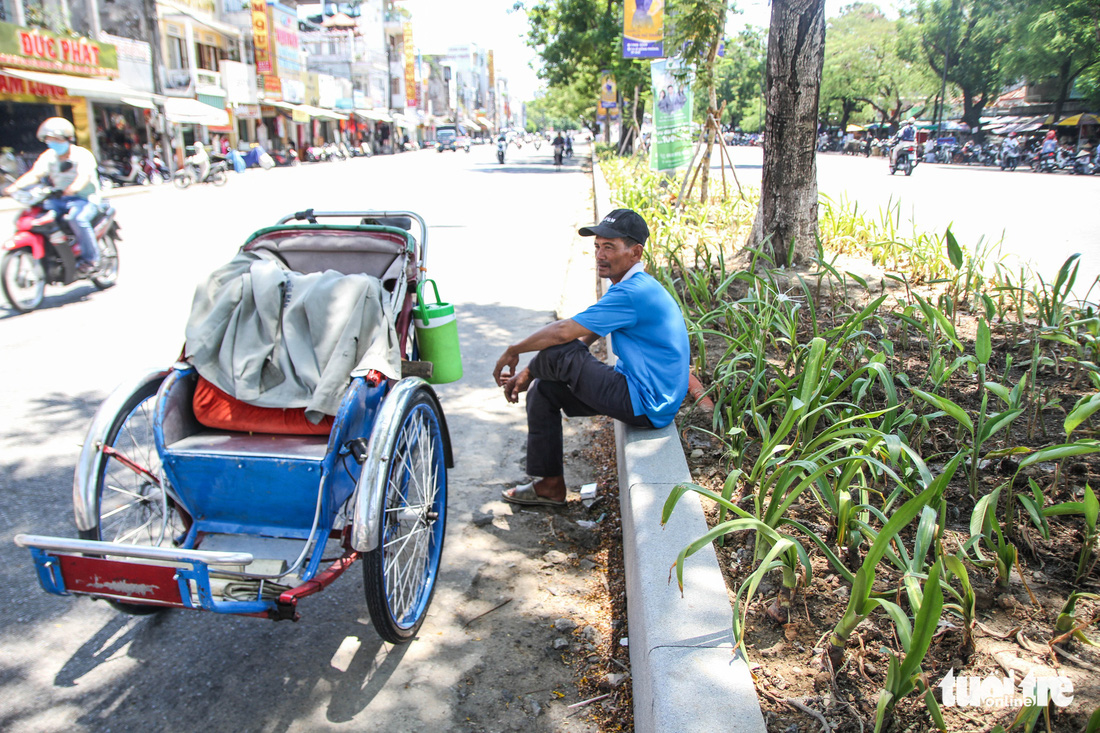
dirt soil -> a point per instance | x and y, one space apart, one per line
797 693
554 609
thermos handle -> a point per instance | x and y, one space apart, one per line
420 297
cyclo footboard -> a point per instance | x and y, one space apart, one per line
149 576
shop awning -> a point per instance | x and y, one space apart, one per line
402 121
321 112
484 122
184 111
101 90
373 114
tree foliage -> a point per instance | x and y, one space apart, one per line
577 39
740 78
1054 39
962 41
863 70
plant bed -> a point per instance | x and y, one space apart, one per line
1012 624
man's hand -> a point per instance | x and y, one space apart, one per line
517 384
508 361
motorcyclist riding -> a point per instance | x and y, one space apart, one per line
73 170
908 133
559 148
201 161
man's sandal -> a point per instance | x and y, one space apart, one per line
525 496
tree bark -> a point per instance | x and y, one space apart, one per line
787 216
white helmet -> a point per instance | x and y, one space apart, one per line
56 127
198 146
910 121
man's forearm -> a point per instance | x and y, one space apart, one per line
559 332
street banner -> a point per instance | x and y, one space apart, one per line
608 93
671 119
643 29
410 67
492 72
261 40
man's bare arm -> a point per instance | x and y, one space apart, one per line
559 332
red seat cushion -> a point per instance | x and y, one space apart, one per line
221 411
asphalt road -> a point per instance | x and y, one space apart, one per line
1043 218
500 241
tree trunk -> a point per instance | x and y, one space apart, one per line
710 131
1064 81
787 217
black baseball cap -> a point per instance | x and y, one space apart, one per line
618 224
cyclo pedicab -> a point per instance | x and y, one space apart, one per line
176 508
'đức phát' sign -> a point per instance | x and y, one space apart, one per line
39 50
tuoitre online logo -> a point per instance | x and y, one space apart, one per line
1000 692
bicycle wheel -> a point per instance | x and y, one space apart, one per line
399 574
132 504
23 279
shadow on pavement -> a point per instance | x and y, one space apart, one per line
475 664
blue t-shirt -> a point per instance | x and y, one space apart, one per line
651 342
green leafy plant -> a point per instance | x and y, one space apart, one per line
861 602
1089 509
980 431
1067 624
905 676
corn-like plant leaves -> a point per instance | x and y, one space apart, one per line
1092 507
924 625
1082 411
997 423
1094 722
901 621
733 525
983 345
834 562
957 413
933 706
1036 513
1001 391
1058 452
981 516
954 251
935 316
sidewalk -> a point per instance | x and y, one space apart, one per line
687 676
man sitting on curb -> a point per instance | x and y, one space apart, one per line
644 388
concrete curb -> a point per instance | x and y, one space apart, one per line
686 674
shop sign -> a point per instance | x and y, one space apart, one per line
410 67
294 91
40 50
285 45
492 73
273 88
20 90
261 41
239 81
246 111
311 88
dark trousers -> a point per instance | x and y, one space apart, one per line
568 379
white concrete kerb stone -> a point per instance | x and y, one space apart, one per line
686 674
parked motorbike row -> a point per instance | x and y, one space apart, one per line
1065 158
134 170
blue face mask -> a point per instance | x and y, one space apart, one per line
59 148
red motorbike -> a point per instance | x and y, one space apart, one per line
44 250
